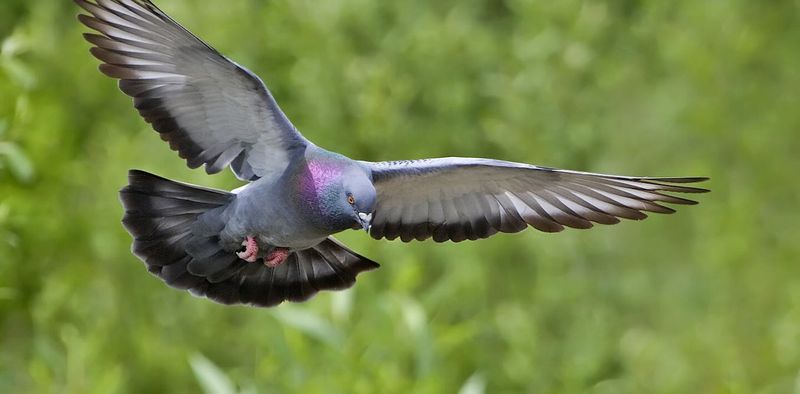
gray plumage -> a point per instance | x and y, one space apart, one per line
217 114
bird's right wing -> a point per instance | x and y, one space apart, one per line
460 198
211 110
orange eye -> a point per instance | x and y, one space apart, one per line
351 200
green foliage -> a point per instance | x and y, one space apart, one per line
707 300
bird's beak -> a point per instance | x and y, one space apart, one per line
366 220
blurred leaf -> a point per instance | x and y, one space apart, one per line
308 322
210 377
18 72
476 384
18 163
341 305
13 45
413 316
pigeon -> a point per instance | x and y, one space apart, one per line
271 240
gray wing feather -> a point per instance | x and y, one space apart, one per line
208 108
460 198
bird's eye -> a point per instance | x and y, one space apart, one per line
351 200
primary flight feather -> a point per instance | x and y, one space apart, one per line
270 241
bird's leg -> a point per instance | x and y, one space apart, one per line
250 253
276 257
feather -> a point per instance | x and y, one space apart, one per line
202 103
476 198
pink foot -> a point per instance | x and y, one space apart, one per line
276 257
250 253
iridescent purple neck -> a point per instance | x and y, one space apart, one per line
318 184
318 176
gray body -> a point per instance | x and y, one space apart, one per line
272 209
276 222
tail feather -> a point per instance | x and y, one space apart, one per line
176 226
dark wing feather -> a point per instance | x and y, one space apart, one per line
327 266
227 279
458 198
209 109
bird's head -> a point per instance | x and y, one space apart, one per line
360 196
339 194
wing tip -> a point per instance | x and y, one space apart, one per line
83 19
82 4
682 179
676 184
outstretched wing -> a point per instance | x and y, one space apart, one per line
459 198
211 110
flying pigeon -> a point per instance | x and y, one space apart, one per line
271 240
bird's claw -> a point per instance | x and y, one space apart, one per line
250 253
275 257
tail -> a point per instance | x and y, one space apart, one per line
175 228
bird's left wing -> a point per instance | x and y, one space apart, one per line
211 110
459 198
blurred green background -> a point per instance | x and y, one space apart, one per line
707 300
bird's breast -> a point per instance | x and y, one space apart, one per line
266 213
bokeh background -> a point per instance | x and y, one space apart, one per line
706 300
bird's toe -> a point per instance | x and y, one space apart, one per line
250 252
